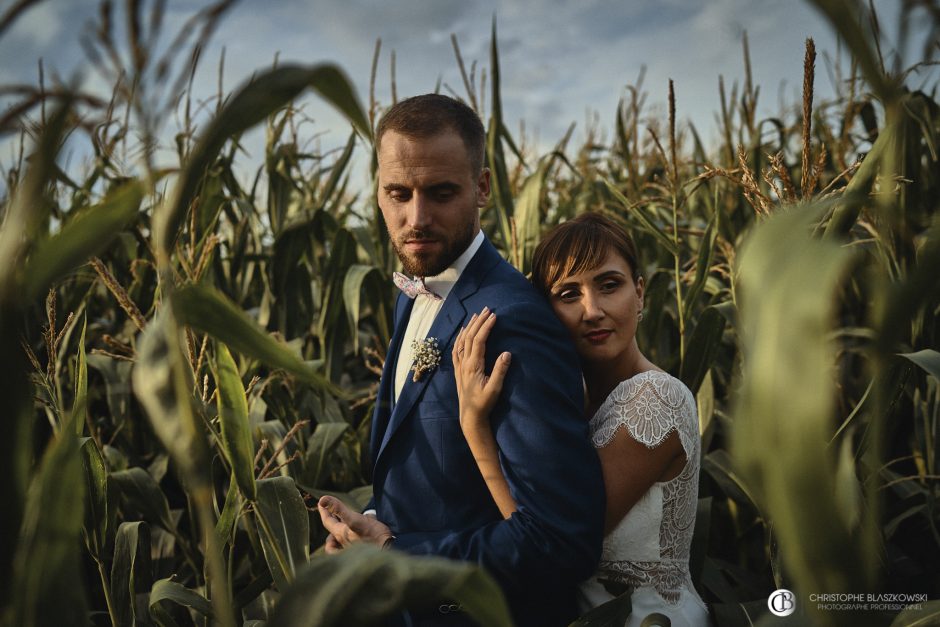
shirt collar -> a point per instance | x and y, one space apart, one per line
442 283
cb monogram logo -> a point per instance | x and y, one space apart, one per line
449 608
781 602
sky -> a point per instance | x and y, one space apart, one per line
562 62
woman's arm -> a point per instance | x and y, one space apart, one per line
485 452
478 393
630 469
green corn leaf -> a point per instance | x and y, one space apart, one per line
292 270
499 178
329 328
85 235
25 212
324 439
260 97
850 19
336 174
233 417
162 382
928 614
29 207
80 404
117 376
209 205
927 359
48 587
131 573
284 528
719 467
856 192
357 278
528 213
362 584
656 329
702 265
99 513
705 403
789 281
921 284
208 310
228 519
703 345
144 495
168 591
645 223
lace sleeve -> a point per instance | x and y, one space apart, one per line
649 406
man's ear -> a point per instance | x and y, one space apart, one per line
483 187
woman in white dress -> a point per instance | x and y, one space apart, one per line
643 421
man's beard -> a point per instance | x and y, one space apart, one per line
432 265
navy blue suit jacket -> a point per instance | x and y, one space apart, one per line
427 486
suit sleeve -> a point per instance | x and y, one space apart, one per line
552 469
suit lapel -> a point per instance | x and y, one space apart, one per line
444 329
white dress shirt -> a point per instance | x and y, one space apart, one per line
425 310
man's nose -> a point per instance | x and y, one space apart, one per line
419 212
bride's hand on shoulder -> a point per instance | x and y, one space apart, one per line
477 390
478 393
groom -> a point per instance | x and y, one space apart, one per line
430 498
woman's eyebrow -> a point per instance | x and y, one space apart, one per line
608 274
561 286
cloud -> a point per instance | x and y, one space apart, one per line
559 59
33 35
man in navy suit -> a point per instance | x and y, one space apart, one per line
430 498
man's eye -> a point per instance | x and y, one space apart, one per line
444 195
399 196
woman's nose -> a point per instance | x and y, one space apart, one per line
592 307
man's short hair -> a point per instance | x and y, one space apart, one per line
430 114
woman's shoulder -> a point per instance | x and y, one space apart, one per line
650 405
663 386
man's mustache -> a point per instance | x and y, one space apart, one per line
419 235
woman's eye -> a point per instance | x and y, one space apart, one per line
610 286
567 295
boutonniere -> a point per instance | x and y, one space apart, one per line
427 357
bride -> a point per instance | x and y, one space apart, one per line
643 421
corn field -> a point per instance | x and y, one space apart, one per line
188 360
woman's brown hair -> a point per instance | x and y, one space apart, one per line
580 244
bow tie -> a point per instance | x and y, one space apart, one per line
412 287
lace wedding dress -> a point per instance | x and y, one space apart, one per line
648 551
